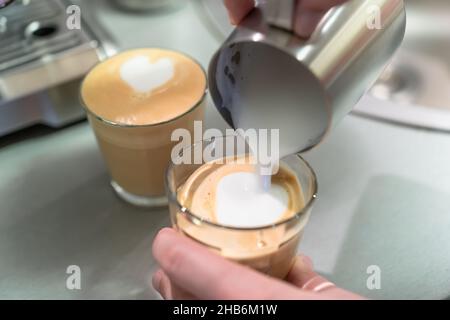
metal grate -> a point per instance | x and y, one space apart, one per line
17 47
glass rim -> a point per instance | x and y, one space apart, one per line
125 125
172 196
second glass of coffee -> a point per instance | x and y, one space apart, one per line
134 101
222 203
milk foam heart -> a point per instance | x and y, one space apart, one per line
144 76
241 202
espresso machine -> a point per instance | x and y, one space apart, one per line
46 46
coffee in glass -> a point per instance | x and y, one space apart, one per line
134 101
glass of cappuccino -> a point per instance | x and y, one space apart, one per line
223 202
134 101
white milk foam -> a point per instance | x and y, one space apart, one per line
144 76
242 202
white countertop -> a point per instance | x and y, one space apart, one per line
384 199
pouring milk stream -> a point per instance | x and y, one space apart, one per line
265 77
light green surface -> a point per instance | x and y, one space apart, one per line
384 199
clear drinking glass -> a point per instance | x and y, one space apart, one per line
137 156
269 249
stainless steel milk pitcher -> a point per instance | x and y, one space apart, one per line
264 76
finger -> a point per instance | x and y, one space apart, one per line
208 276
161 283
303 276
306 21
179 293
308 14
320 5
301 271
168 289
238 9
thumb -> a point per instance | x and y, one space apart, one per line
238 9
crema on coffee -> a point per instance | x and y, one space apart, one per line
144 86
231 194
